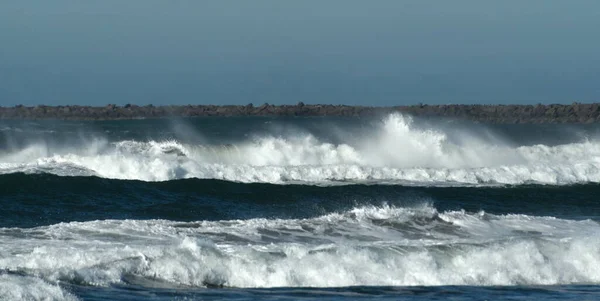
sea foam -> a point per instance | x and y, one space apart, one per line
19 288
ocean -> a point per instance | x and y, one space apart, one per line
286 208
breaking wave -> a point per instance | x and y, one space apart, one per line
385 245
398 151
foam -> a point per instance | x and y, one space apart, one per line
397 152
364 246
19 288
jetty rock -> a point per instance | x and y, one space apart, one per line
511 114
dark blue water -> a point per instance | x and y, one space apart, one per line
579 292
286 208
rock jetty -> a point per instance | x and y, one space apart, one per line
554 113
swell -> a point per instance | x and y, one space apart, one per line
31 200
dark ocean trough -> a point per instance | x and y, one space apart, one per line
272 208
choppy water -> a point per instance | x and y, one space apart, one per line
298 208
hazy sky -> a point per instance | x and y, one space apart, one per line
96 52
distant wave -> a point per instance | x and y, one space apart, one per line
385 245
398 151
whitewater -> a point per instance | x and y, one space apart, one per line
396 150
373 246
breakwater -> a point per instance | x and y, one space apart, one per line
554 113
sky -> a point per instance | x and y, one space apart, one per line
380 53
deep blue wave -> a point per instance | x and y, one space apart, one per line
29 200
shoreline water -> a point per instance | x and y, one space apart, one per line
505 114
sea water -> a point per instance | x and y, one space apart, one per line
274 208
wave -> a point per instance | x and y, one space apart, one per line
375 246
398 151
